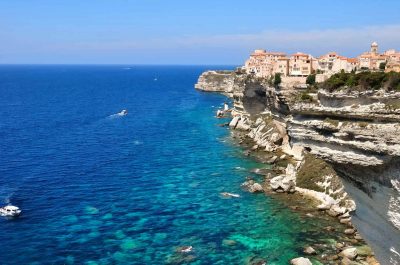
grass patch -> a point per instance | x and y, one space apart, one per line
313 170
363 124
333 122
392 106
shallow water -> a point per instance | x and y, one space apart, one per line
102 189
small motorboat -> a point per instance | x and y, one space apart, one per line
10 211
123 112
226 107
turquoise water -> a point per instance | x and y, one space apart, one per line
97 188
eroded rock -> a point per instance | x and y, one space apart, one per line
300 261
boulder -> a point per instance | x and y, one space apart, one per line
323 207
255 147
300 261
336 210
276 138
283 183
272 160
340 245
349 231
290 171
350 253
242 124
252 186
234 121
256 187
345 220
310 251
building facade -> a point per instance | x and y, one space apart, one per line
265 64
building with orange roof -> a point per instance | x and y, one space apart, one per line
262 63
265 64
332 62
393 67
372 60
300 64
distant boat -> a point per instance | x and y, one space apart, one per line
10 211
227 194
123 112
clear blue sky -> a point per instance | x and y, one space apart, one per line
189 32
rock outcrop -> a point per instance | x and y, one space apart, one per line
344 147
216 81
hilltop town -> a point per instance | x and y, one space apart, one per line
295 69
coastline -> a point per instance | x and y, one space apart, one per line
263 134
332 235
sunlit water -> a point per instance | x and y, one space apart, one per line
98 188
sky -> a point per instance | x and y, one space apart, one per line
189 32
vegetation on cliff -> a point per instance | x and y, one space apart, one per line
363 81
312 172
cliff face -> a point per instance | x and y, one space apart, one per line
359 136
355 134
216 81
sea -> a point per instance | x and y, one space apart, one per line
98 187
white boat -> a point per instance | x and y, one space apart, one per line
10 210
123 112
227 194
226 107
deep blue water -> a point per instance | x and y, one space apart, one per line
101 189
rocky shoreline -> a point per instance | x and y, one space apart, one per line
341 241
309 154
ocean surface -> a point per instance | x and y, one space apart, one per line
99 188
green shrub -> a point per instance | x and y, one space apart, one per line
277 79
306 97
310 79
363 81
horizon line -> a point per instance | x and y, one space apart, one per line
111 64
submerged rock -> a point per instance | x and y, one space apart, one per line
310 251
256 261
229 242
184 249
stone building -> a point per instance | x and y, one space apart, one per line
265 64
371 60
332 62
300 64
262 63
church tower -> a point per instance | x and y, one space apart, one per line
374 48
